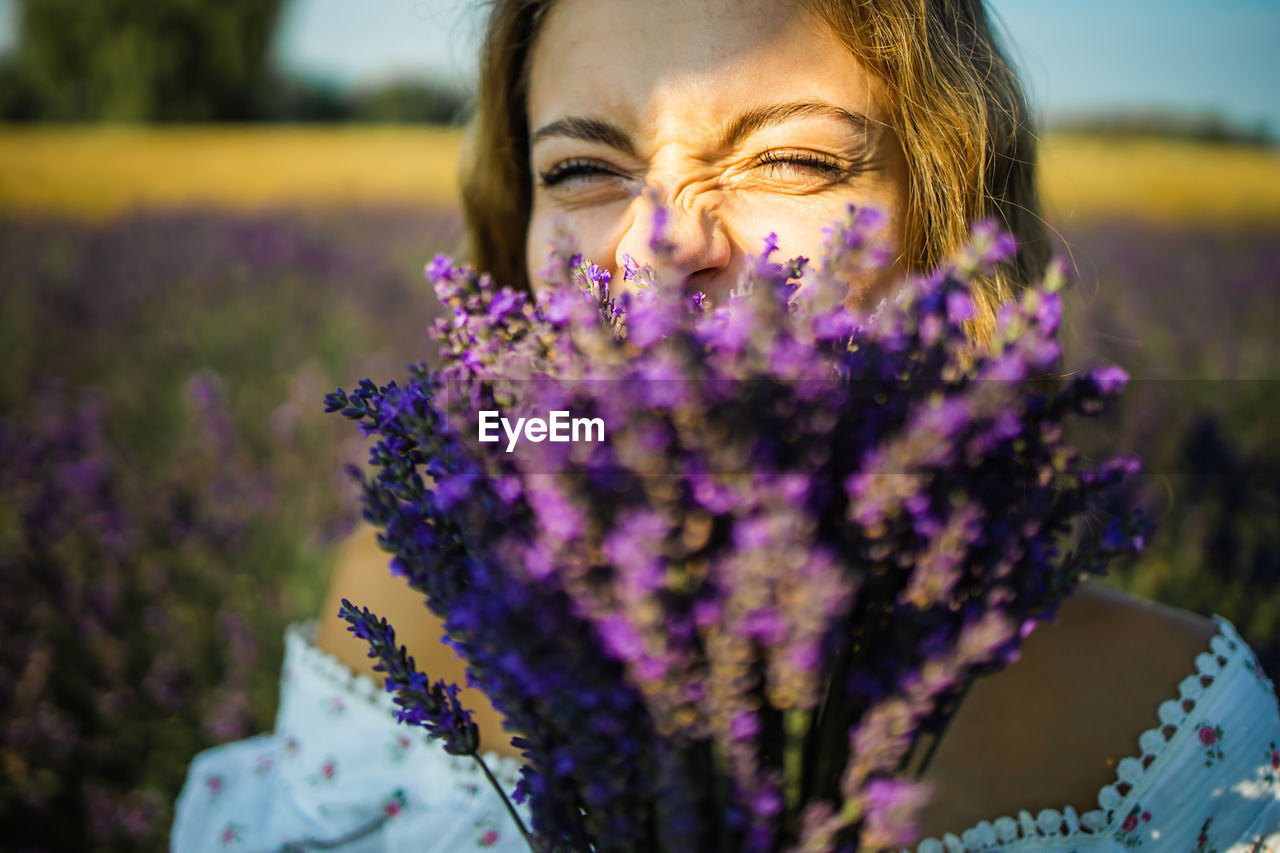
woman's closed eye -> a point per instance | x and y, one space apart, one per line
578 170
804 164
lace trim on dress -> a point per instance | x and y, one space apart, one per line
1224 648
302 652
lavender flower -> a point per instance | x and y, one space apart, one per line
434 707
728 625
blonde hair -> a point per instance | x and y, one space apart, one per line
954 100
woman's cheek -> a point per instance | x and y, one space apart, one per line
598 237
798 226
594 235
535 244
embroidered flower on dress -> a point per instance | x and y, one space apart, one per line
489 836
229 835
1211 737
1128 833
395 804
1271 763
1203 844
214 784
399 748
337 706
264 764
326 773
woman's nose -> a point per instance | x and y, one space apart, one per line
685 243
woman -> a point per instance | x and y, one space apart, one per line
742 118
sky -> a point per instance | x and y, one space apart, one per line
1074 56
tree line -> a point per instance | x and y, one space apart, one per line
158 61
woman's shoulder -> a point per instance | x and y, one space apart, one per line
1056 728
1051 729
1125 648
1103 670
361 574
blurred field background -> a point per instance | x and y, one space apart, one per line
178 294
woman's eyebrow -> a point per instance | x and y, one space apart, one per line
769 115
587 129
731 133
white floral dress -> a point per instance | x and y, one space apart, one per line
340 774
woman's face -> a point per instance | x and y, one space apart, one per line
742 117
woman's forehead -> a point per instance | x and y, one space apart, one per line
689 62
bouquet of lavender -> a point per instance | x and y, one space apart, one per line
733 565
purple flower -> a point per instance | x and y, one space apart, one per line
960 307
441 269
1049 312
620 638
767 803
870 218
435 707
658 242
892 809
503 303
1110 380
764 625
992 244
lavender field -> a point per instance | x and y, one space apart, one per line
171 491
1190 312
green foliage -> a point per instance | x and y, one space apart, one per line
142 60
1166 124
408 102
404 101
185 61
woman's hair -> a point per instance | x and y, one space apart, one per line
954 101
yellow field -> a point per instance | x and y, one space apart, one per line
1088 178
98 172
